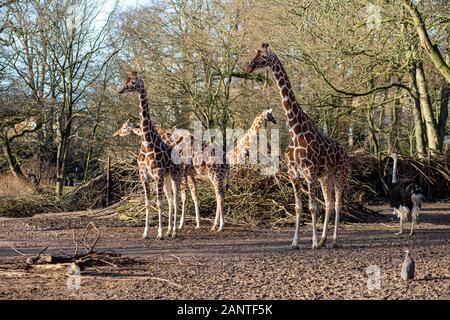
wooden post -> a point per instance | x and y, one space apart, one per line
108 181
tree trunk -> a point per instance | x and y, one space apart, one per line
443 114
427 109
63 150
392 134
425 41
59 171
373 134
417 116
14 165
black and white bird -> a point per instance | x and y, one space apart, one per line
406 199
408 268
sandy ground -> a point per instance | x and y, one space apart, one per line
240 263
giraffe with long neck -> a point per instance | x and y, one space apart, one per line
310 155
188 173
244 143
194 163
156 159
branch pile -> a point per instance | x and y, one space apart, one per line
83 254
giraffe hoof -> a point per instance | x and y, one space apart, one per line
197 227
411 233
174 235
295 247
399 233
159 237
144 236
315 246
213 228
168 233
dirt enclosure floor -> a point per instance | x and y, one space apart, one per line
240 263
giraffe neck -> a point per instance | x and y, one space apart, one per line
149 137
296 117
244 143
256 125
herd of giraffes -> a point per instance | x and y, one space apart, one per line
311 156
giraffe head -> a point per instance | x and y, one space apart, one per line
133 83
126 129
263 58
268 116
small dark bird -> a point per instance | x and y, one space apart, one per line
405 198
408 267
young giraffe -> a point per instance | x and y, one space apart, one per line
155 159
242 148
310 154
187 179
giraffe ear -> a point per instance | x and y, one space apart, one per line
270 110
134 73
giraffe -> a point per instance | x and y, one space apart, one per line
188 177
205 166
242 147
310 154
156 159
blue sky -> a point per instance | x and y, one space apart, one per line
123 5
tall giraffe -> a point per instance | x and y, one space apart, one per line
188 173
155 159
310 154
242 148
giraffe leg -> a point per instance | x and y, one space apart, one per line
340 180
298 211
176 189
220 194
169 195
216 178
183 202
327 190
193 188
221 198
312 191
339 192
216 217
213 178
144 180
159 203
